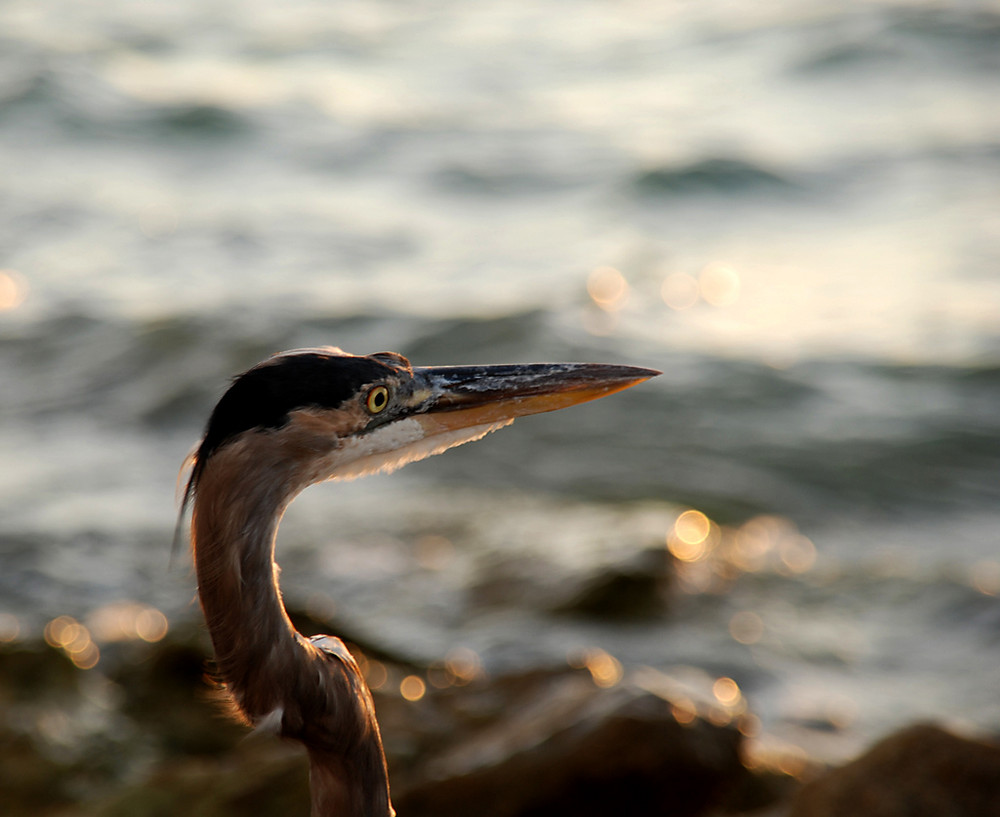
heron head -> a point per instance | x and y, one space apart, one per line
332 415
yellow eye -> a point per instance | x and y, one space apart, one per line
377 400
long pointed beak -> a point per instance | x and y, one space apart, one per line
455 397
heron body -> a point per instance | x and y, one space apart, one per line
303 417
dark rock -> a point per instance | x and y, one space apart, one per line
544 742
631 591
512 582
168 693
634 588
571 748
33 672
921 771
31 781
258 777
42 770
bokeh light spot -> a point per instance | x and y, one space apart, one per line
13 289
726 691
749 725
719 285
607 288
463 664
692 527
679 291
86 655
798 554
10 628
746 627
412 688
688 539
61 631
69 635
439 677
684 711
375 674
605 669
151 625
986 578
127 621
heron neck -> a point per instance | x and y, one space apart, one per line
234 523
275 675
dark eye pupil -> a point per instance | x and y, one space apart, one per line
377 399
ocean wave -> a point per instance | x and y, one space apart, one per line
905 39
731 436
514 180
712 176
68 96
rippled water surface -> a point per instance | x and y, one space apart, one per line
791 208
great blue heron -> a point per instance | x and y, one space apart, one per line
299 418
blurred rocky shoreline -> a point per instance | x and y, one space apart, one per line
144 732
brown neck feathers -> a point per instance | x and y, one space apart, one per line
314 690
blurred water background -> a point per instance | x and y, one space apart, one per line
791 207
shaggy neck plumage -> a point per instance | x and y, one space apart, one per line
276 676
